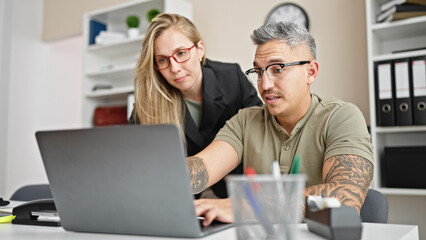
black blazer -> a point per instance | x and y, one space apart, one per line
225 91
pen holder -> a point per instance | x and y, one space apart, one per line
266 207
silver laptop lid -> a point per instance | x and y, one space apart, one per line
123 179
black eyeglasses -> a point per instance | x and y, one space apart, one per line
180 56
274 71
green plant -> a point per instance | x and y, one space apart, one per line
152 13
132 21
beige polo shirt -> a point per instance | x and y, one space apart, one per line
330 127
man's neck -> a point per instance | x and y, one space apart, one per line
290 121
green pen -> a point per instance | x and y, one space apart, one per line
296 165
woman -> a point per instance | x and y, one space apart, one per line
174 83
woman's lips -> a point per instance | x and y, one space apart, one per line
181 79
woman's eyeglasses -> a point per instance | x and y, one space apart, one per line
180 56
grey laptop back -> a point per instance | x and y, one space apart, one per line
123 179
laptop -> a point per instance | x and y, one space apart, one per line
129 179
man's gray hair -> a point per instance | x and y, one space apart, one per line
291 33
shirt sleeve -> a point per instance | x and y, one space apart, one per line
347 134
232 133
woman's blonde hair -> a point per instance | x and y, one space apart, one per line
156 101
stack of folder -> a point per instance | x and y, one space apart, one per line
401 9
401 92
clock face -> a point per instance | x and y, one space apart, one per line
288 12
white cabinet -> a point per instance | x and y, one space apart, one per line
388 41
111 65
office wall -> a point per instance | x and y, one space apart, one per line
408 210
4 71
44 92
338 26
64 18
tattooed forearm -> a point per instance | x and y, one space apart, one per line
346 178
198 173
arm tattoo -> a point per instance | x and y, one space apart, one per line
198 174
347 180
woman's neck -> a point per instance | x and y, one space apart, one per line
196 92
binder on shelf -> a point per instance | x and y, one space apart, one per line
418 71
405 15
388 4
385 112
110 115
94 29
403 167
399 11
403 105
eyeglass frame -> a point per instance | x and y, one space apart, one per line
265 69
171 56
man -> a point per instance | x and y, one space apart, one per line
329 135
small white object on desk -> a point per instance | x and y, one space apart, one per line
316 203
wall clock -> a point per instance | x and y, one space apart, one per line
288 12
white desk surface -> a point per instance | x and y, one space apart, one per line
27 232
369 231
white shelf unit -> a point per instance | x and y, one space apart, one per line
114 64
383 39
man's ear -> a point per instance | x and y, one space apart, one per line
312 72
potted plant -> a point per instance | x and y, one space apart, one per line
132 24
152 13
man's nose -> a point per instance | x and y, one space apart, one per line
266 82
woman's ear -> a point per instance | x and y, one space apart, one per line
200 49
312 72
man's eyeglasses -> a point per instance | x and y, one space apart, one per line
180 56
274 71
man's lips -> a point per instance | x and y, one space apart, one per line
271 98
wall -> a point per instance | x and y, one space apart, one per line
64 18
44 92
408 210
4 76
338 26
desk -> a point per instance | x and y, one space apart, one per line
369 231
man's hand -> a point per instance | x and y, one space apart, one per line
214 209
